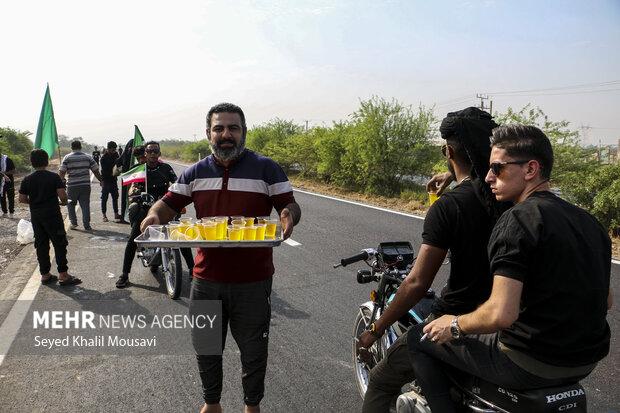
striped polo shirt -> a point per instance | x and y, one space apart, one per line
250 186
77 165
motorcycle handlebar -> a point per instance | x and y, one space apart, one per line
358 257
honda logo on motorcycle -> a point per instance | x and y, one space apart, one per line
564 395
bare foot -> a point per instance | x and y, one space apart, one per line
251 409
211 408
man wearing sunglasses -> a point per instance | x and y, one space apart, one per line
544 324
460 221
159 176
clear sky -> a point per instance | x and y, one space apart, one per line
162 64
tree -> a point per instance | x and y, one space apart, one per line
387 142
17 145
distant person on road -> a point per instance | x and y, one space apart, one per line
7 185
96 155
41 191
77 166
159 177
109 185
233 181
544 324
460 221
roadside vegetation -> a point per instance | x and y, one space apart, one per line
386 150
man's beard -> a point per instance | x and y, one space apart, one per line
227 154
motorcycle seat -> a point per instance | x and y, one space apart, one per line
570 397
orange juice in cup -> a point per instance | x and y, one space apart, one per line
249 233
185 223
260 231
249 221
192 232
235 233
270 229
220 227
432 197
208 230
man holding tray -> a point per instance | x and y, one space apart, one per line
233 181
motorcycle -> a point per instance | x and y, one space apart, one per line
389 265
166 259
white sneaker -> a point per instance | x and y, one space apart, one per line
11 215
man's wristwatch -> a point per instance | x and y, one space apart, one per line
372 328
455 330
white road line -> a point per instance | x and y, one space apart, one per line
615 262
360 204
291 242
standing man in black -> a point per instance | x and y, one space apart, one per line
7 185
96 155
544 324
460 221
109 184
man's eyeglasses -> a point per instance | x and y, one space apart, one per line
444 149
496 167
152 151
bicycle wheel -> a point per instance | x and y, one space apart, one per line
172 271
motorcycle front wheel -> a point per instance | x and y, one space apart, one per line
362 369
172 271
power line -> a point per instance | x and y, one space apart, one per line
568 87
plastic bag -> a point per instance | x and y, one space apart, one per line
25 233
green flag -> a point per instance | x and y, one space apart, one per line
47 137
138 140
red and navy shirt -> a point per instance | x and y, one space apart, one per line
251 186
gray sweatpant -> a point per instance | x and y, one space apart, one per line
81 194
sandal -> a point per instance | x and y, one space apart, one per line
49 280
70 281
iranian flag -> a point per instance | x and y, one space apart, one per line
134 175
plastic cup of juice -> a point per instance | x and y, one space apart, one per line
220 228
192 232
262 220
270 230
260 231
238 222
185 223
249 233
174 232
236 217
249 221
235 233
432 197
208 230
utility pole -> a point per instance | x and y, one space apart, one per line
306 126
482 98
194 137
584 133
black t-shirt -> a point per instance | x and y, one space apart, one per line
458 221
562 255
108 160
41 186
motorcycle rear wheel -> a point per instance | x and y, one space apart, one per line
172 271
362 369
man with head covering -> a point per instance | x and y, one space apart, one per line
460 221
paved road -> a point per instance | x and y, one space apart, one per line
314 306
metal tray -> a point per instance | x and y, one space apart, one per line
144 241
